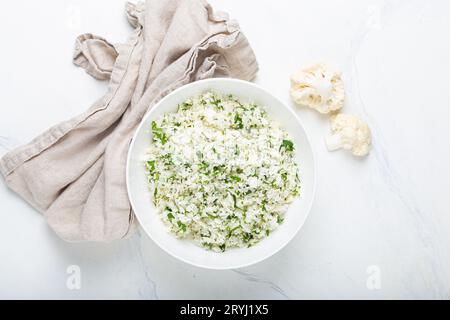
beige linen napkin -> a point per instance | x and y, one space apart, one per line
75 172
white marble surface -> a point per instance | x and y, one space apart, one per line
386 216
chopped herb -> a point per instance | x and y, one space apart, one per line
237 151
211 216
204 166
167 158
288 145
217 102
151 165
206 235
235 178
230 232
263 205
182 226
234 200
185 106
158 133
247 237
218 169
238 124
280 220
170 216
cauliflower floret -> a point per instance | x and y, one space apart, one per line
349 133
318 87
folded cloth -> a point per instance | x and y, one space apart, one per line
75 172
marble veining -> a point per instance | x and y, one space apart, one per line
424 226
150 289
253 278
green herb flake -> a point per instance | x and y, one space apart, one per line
237 151
182 226
159 133
155 194
247 237
211 216
151 165
217 103
234 200
218 169
230 232
203 166
288 145
263 206
280 219
235 178
238 124
185 106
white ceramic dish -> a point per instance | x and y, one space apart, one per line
185 250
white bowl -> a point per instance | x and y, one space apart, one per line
186 250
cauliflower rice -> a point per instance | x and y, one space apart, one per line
220 172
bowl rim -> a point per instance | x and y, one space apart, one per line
314 183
